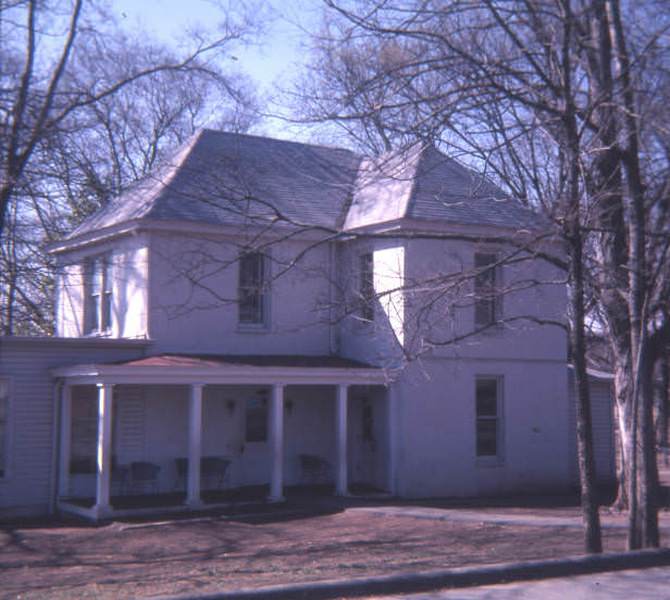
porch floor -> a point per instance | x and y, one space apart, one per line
256 494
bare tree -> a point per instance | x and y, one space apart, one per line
552 99
85 110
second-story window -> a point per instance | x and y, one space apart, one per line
487 292
99 285
366 286
252 289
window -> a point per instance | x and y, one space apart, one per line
487 299
4 412
256 428
252 293
488 409
367 286
98 310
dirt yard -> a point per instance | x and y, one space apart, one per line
124 560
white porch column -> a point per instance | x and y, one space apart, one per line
341 483
104 463
194 445
277 443
65 441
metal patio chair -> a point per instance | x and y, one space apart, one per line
315 469
144 474
213 470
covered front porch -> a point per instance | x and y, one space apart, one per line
178 433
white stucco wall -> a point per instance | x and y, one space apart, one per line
130 260
378 342
436 453
444 308
193 297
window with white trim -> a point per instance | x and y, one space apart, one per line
366 286
4 425
488 407
99 285
487 292
252 290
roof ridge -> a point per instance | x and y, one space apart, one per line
266 139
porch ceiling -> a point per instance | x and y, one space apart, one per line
185 369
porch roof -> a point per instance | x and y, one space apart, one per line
185 369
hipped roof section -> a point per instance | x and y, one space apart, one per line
220 178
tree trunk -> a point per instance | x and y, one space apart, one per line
589 493
643 517
663 405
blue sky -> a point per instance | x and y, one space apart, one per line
275 57
278 53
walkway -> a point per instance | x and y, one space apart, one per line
641 584
499 518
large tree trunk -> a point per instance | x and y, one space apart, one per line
663 404
587 476
643 473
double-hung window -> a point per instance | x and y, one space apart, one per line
487 289
253 299
99 285
488 407
4 415
366 286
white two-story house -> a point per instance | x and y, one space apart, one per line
261 315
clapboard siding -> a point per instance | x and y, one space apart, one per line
26 363
603 430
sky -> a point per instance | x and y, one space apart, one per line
275 58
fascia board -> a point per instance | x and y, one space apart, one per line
229 375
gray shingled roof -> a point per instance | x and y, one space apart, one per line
227 178
445 190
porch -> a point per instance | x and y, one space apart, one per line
177 433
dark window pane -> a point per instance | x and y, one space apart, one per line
486 294
95 313
487 397
106 311
256 420
251 288
487 437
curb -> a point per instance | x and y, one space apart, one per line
448 578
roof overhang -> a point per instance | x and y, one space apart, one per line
280 230
218 374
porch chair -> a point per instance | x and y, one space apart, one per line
314 469
213 469
144 474
119 479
